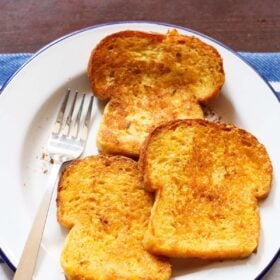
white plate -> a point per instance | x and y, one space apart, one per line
29 103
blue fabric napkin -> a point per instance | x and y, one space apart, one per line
9 63
267 64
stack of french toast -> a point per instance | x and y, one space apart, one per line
168 182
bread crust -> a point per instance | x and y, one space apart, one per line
101 199
97 58
148 79
222 183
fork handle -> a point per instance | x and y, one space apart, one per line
28 258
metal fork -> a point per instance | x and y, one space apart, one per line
66 142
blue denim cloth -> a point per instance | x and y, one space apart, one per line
267 64
9 63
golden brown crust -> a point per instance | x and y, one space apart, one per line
98 61
101 199
102 158
208 178
150 79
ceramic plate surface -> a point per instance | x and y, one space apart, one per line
28 106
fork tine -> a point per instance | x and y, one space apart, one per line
89 110
76 125
66 129
85 128
58 122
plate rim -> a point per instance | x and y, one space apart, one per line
111 23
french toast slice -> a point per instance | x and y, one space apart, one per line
148 79
101 199
208 178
